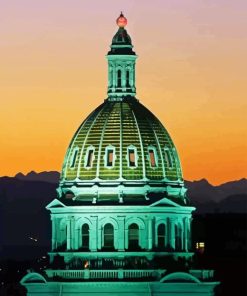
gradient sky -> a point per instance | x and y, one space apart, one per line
191 72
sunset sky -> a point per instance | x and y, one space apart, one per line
191 73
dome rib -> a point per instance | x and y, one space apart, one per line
160 150
100 145
122 125
141 146
85 139
111 138
82 128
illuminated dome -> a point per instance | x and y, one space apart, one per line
121 151
121 224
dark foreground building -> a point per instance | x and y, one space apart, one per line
121 224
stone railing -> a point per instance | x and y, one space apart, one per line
202 274
87 274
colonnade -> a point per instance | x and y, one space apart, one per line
147 233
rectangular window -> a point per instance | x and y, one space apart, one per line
132 158
109 157
152 158
89 163
168 158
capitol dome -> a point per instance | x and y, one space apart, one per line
121 224
121 149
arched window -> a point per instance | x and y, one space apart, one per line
85 236
108 236
73 157
168 158
119 78
178 238
152 157
133 236
161 235
128 78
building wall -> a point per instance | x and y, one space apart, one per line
67 228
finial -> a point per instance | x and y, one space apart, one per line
121 20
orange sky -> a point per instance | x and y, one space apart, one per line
191 72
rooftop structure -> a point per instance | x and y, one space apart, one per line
122 222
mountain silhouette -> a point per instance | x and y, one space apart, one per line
202 191
51 177
23 199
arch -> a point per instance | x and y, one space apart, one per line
33 277
78 232
141 232
137 221
69 194
179 277
81 221
103 222
110 220
68 191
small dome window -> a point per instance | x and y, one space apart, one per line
110 156
73 157
89 158
132 156
168 158
153 158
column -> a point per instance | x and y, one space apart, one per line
172 233
109 76
114 78
189 221
124 76
126 235
150 234
72 233
121 233
93 234
77 231
99 236
68 234
54 234
185 234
